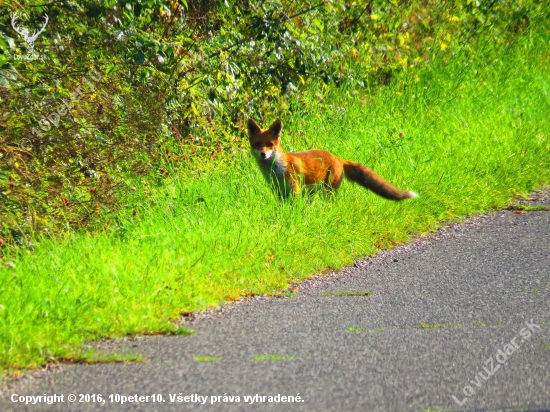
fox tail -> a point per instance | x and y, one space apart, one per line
368 179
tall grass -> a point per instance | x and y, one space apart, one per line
466 137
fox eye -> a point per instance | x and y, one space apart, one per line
269 144
257 144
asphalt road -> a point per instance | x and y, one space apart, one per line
405 331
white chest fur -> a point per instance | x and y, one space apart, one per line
274 172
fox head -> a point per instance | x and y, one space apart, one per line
264 143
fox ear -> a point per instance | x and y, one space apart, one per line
276 128
253 128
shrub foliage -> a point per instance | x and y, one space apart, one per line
113 89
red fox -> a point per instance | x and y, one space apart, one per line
314 168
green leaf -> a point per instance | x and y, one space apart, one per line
139 57
6 42
319 24
111 68
8 68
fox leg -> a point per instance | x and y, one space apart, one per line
335 175
295 187
292 180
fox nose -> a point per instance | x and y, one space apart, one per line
263 155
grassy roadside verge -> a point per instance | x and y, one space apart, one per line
466 136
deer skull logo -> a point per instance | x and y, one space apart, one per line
25 33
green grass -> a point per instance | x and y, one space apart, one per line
419 326
206 359
271 357
358 330
436 326
91 357
467 136
527 208
432 410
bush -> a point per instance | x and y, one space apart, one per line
117 89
